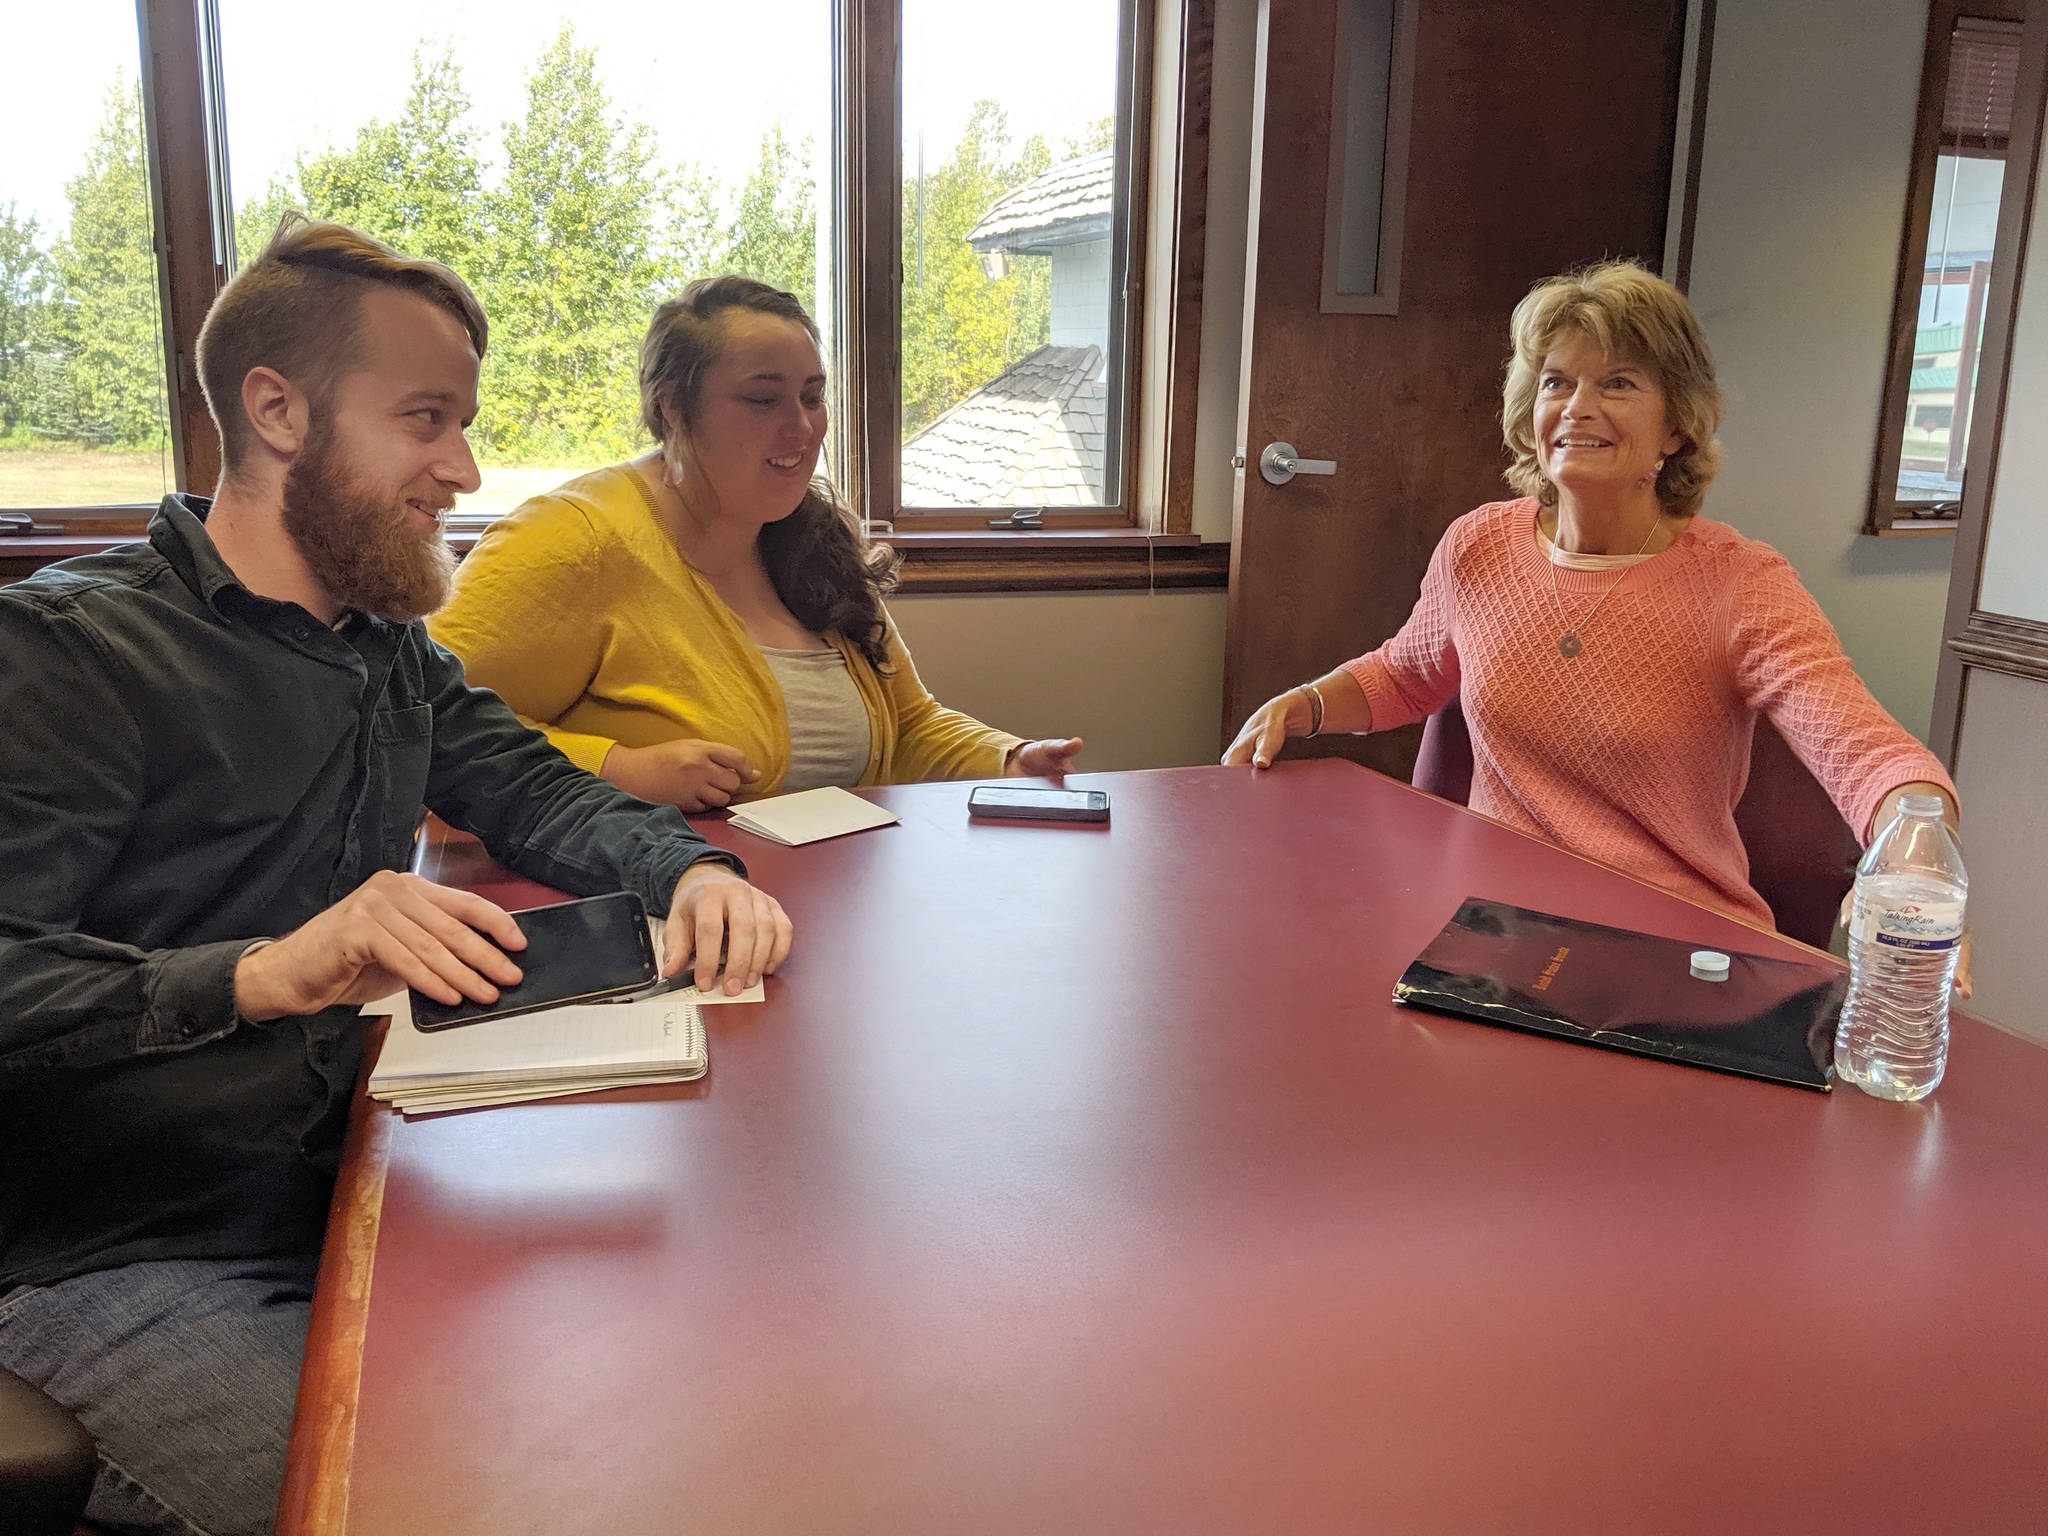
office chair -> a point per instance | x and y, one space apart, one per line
46 1463
1802 855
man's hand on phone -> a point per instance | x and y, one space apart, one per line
391 931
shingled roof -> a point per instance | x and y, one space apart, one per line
1066 205
1033 436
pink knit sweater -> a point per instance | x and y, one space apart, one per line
1635 751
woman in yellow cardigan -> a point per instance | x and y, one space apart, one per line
705 623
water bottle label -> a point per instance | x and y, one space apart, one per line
1914 925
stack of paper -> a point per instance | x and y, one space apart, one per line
810 816
657 1037
539 1055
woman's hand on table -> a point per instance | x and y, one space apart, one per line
690 775
717 916
1261 737
1338 706
1050 758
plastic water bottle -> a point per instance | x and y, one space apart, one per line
1904 933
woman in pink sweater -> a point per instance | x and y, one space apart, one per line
1612 648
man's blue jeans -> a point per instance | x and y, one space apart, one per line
185 1371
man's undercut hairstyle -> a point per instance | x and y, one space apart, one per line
298 309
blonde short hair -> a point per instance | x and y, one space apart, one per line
1631 313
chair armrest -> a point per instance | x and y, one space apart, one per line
46 1462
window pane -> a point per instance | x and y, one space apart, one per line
1009 291
574 173
1950 332
84 417
1368 36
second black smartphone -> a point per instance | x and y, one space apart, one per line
576 952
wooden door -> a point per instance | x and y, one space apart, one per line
1540 137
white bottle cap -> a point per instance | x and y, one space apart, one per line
1710 965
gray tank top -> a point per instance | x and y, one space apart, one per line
828 724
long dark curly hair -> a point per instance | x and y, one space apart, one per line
822 566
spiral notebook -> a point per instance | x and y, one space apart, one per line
653 1037
541 1055
1494 963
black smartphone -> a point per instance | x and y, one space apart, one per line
577 952
995 802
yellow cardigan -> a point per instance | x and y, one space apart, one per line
579 612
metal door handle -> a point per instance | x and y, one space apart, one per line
1280 464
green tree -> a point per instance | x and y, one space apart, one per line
103 378
415 181
572 266
696 228
960 328
1099 134
775 219
24 275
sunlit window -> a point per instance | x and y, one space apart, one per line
574 170
577 166
1012 273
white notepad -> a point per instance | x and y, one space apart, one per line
572 1049
810 816
558 1050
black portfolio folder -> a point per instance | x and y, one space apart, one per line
1501 964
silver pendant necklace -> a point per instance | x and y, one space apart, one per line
1569 644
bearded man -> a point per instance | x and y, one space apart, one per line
217 746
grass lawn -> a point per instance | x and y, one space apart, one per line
73 477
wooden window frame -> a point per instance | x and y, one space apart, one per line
1885 516
1143 542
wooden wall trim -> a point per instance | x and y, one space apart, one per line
1139 565
1120 560
2000 643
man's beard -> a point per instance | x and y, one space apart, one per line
357 542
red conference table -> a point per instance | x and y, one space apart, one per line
1079 1179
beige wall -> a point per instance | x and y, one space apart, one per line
1804 166
1140 678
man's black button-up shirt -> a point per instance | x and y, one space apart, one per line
187 767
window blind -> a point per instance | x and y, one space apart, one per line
1983 65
